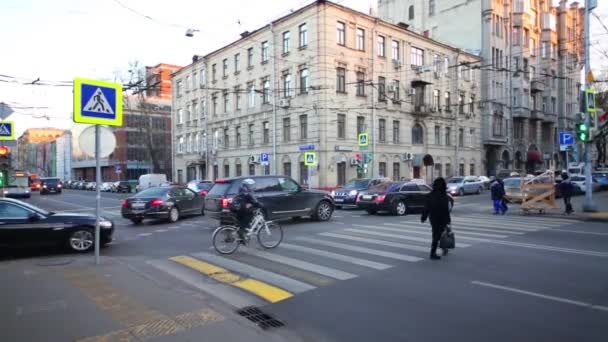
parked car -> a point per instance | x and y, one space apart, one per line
14 191
201 187
398 198
106 187
465 185
513 191
123 186
151 180
90 186
579 182
602 178
504 174
24 225
347 195
281 196
35 185
49 185
169 202
485 181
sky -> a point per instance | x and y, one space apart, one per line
62 39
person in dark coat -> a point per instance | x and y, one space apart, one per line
497 191
566 190
244 205
437 210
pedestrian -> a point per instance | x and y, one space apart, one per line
566 189
437 210
497 192
503 201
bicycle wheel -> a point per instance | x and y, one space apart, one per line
271 235
226 239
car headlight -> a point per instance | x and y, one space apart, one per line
353 192
105 224
332 193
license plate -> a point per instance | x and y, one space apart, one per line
367 197
339 199
138 205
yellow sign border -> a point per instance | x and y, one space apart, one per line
12 136
589 91
79 118
314 158
366 139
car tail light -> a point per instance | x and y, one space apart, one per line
156 203
125 204
226 202
380 198
360 197
220 181
59 185
202 192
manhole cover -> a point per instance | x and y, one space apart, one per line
261 319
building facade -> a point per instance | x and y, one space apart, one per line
45 151
532 56
332 73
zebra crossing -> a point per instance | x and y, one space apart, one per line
254 276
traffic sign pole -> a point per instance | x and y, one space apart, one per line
588 204
98 183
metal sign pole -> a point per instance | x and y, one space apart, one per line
588 205
98 181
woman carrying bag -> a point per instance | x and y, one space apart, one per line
437 210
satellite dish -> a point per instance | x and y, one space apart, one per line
107 141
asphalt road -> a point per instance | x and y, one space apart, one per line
355 278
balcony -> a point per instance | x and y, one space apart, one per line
422 109
537 114
537 85
521 112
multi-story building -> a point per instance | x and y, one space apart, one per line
45 151
315 79
530 69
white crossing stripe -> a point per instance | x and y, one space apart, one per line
415 229
376 242
144 234
307 266
399 236
161 231
501 226
458 227
336 256
286 283
528 219
361 249
505 221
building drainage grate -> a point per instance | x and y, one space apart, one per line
260 318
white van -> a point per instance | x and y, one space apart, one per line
151 180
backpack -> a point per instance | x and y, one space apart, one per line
237 205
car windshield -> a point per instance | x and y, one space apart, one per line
356 184
600 174
31 207
51 181
455 180
153 192
222 189
512 182
384 187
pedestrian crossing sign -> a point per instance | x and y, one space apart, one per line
7 130
97 102
310 158
363 139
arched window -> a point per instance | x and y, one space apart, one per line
417 135
411 12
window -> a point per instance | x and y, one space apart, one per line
553 105
341 172
203 77
360 39
264 52
460 74
544 47
250 132
533 47
188 82
395 49
303 174
447 101
303 127
341 126
381 89
252 169
226 138
286 36
446 66
238 136
225 67
237 98
448 136
431 7
437 135
516 36
180 145
287 87
180 89
213 72
286 129
287 169
266 132
382 130
237 62
381 46
194 114
416 56
341 33
225 97
188 113
250 57
461 137
189 143
411 13
472 139
515 97
461 97
341 80
304 81
382 169
180 116
396 91
266 90
360 84
417 135
471 169
303 35
226 171
214 104
436 100
360 124
461 169
251 94
396 171
239 169
497 122
396 132
197 142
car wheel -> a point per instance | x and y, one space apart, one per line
461 192
138 220
81 240
400 208
371 211
173 215
324 211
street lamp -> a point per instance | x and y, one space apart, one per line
190 32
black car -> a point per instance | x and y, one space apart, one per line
23 225
347 195
201 187
398 198
48 185
167 202
123 186
281 197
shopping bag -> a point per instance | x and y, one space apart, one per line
448 240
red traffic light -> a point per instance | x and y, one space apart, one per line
4 151
358 156
603 117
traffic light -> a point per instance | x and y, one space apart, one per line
3 178
582 132
4 151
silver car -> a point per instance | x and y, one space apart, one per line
465 185
15 192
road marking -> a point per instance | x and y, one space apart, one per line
501 226
415 229
289 284
336 256
526 220
356 216
64 202
540 295
161 231
338 216
362 250
376 242
44 307
173 228
457 226
263 290
397 236
307 266
144 234
577 232
338 222
501 220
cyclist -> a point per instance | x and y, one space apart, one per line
244 206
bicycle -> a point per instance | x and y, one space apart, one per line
226 239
